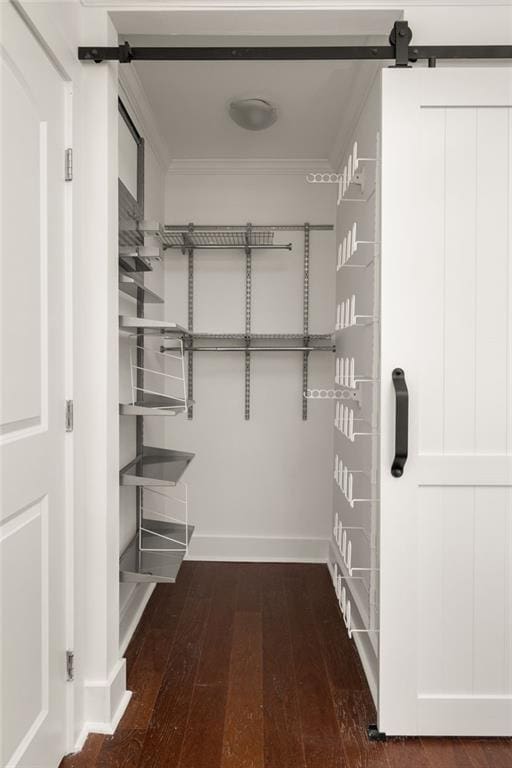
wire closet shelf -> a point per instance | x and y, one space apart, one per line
243 238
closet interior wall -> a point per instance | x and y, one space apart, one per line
259 489
353 557
154 176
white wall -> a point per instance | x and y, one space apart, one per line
259 489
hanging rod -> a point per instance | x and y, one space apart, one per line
252 336
399 50
256 349
184 228
228 247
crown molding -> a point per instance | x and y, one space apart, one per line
133 96
283 5
249 166
364 78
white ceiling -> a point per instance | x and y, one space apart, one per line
316 100
189 100
267 21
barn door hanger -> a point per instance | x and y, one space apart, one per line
399 50
399 39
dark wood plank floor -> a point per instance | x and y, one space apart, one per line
250 666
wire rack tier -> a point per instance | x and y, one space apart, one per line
242 238
219 239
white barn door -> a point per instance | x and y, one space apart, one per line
446 527
32 402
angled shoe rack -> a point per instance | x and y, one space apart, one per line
353 553
156 466
158 388
157 371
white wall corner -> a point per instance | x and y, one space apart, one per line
133 96
132 613
254 549
105 701
249 166
364 77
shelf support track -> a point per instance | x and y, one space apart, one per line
248 307
190 356
305 356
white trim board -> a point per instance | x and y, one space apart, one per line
249 166
283 5
106 700
107 728
132 613
256 549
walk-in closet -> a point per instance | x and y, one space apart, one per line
256 433
268 354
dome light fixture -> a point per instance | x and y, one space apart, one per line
253 114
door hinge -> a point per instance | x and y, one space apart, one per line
68 164
70 666
69 415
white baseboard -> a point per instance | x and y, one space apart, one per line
362 645
131 614
106 728
254 549
106 700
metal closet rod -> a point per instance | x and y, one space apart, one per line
255 349
261 336
185 228
399 50
228 247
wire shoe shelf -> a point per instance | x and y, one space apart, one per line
352 176
163 386
354 484
346 373
348 317
348 250
351 426
159 507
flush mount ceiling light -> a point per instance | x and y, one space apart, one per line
253 114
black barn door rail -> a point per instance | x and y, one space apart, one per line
399 50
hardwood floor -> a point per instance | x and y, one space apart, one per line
250 666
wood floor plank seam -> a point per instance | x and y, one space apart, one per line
194 604
202 742
295 680
294 661
193 685
243 745
282 726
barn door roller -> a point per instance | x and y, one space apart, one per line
399 50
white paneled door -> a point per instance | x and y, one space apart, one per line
32 402
446 526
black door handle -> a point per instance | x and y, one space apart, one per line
401 423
